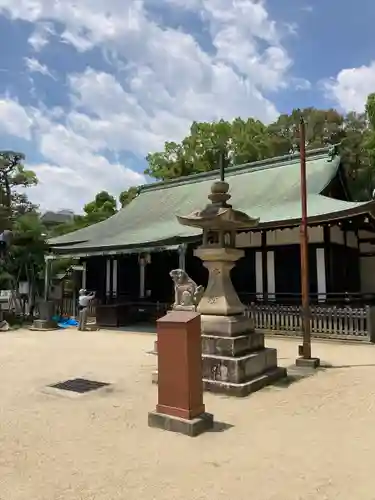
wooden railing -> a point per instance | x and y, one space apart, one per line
68 307
295 299
355 323
350 322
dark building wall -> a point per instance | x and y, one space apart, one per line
343 271
288 270
128 276
96 276
243 275
157 278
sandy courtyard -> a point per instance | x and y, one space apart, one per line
312 440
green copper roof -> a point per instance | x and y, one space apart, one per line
269 190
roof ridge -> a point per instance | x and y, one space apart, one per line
276 161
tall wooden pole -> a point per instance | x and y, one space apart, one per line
304 246
222 165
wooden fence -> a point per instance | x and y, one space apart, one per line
68 307
354 323
337 322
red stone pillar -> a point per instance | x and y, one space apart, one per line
180 405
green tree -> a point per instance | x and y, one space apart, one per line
245 141
127 196
12 176
323 127
103 206
241 141
28 247
25 258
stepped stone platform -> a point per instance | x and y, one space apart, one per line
235 359
236 363
43 325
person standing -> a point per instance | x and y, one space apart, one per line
83 304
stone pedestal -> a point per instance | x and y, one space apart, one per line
235 359
45 322
308 363
180 405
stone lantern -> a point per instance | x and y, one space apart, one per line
235 360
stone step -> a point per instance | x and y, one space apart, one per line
245 388
228 346
232 346
92 327
240 369
242 389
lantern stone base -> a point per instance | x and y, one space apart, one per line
191 428
228 326
241 376
308 363
246 388
43 325
239 389
235 359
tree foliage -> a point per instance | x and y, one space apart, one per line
249 140
100 208
26 255
12 176
103 206
127 196
25 260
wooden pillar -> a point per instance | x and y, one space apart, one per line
108 279
271 289
114 277
264 265
180 405
328 259
46 278
347 263
142 260
182 256
258 275
321 274
84 275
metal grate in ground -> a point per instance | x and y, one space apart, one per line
79 385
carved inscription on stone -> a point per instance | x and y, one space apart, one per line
212 300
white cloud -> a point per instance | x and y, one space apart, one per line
75 169
350 88
236 26
163 80
34 66
39 38
63 185
13 119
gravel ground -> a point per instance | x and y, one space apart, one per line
312 440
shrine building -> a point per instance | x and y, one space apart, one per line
127 258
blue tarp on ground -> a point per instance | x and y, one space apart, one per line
65 322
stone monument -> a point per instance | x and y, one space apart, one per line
180 406
235 359
45 321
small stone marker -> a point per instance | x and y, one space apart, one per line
180 405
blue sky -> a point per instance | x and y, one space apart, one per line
88 88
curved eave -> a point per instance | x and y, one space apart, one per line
155 246
367 208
